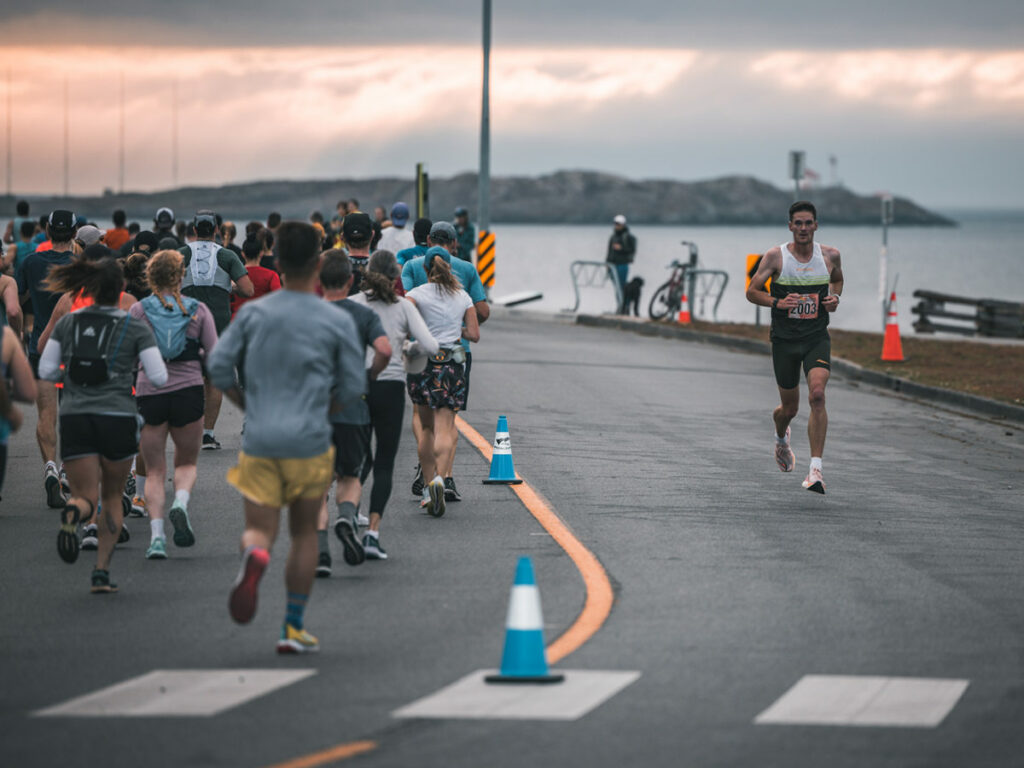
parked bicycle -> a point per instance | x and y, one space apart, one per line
668 299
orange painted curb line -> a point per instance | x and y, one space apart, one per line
600 596
332 755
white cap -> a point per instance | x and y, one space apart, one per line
620 219
89 235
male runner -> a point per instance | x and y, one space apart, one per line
807 279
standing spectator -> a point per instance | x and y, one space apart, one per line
466 235
621 251
118 236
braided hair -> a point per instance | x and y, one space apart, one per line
164 272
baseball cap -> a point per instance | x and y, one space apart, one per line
420 230
443 231
399 214
461 211
164 217
357 227
89 235
432 251
61 222
620 219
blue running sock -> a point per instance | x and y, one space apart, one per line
295 609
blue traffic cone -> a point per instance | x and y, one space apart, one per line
502 471
524 659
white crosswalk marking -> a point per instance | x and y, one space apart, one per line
195 692
906 702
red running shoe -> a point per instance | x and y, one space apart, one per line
242 602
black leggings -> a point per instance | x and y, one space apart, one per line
386 400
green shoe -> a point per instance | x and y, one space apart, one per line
157 549
101 583
183 536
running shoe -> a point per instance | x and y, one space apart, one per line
157 549
54 492
346 529
436 490
296 641
451 493
124 535
64 484
242 601
67 537
784 455
210 443
418 483
183 535
362 520
129 485
323 566
101 583
374 551
90 537
814 482
138 507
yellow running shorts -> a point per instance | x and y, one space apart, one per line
279 482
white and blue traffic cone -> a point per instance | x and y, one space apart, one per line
524 659
502 471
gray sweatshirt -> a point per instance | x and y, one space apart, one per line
296 351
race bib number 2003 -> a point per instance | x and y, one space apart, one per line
806 309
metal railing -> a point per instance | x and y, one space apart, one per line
594 274
991 317
703 283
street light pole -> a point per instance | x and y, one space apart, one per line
484 176
883 259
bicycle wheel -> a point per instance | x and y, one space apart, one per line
661 302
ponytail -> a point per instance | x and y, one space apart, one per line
441 274
103 280
164 272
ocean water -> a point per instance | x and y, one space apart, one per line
978 259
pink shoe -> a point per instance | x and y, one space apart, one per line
784 455
242 602
814 482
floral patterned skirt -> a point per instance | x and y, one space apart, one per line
441 385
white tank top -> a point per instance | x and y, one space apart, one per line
796 274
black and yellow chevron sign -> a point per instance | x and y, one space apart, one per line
485 258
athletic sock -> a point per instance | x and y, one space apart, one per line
182 497
156 529
50 468
321 542
372 534
207 432
140 486
816 463
346 510
781 440
295 609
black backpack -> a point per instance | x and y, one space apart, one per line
92 336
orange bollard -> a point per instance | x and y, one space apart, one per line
892 347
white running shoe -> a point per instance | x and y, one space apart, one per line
784 455
436 490
814 482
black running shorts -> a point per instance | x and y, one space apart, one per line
789 356
115 438
351 449
179 408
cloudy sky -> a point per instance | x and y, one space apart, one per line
923 98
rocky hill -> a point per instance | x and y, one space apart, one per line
564 197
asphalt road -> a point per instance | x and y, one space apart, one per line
731 581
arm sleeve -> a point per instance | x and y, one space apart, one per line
418 328
154 366
221 363
49 361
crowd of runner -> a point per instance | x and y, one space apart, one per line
318 331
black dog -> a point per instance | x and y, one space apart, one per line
631 296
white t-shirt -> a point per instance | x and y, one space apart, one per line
400 321
442 311
396 239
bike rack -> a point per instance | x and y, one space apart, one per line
706 288
593 274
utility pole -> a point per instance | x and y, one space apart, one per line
120 158
485 238
883 258
10 154
67 131
174 134
796 171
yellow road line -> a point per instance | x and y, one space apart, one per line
327 756
600 596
